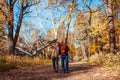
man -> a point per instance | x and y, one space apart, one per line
64 56
55 57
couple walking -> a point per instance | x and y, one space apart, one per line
60 50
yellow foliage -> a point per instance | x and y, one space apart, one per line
72 6
72 49
93 48
50 1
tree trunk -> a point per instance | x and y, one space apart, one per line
10 38
68 26
110 19
119 42
83 49
18 30
10 32
66 37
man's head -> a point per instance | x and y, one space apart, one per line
61 42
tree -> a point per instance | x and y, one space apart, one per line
23 7
80 28
60 31
2 32
68 9
116 13
110 20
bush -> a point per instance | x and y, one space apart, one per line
106 59
112 60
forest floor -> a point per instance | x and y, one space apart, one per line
77 71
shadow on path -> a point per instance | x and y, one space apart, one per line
44 72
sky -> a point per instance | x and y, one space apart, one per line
42 16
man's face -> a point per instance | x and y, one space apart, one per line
61 42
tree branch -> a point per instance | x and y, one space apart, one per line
6 2
13 2
32 4
26 12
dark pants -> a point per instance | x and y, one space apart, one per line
64 60
55 63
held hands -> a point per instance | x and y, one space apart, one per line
59 56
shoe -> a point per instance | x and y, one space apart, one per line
63 71
56 71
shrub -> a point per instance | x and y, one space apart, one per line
106 59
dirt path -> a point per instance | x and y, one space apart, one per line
77 71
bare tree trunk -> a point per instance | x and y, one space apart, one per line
119 42
83 49
66 37
87 48
10 38
110 19
10 31
18 29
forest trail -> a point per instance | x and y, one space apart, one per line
77 71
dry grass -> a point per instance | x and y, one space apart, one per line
11 62
112 62
108 60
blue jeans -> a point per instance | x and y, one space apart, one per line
55 63
64 62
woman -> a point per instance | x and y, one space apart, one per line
55 58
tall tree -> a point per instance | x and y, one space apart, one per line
116 8
80 27
110 19
23 7
60 31
2 32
